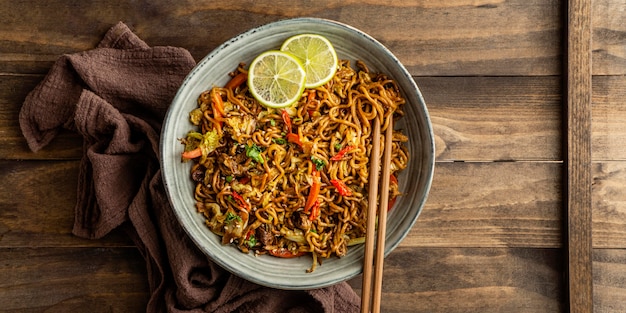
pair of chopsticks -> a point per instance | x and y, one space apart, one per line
371 295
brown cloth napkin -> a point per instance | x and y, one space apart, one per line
116 97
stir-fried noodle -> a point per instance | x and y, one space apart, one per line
294 181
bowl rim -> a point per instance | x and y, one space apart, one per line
427 170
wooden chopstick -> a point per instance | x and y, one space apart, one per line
372 295
382 220
368 259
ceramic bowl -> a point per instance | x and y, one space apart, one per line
350 43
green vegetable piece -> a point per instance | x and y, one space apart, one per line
251 241
319 164
254 152
280 141
230 216
195 116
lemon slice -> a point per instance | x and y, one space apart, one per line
317 56
276 79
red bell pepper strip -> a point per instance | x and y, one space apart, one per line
241 201
392 201
192 154
393 179
315 211
341 153
250 233
341 187
294 138
236 81
287 120
313 192
286 254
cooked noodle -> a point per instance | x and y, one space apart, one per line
258 170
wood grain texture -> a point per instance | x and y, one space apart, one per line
474 119
609 280
50 280
504 204
495 118
578 199
37 200
609 118
609 205
13 91
113 280
508 204
460 37
609 37
487 280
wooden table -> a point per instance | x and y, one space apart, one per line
528 201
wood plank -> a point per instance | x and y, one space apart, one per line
13 91
609 205
578 199
113 280
504 204
609 118
474 119
37 202
471 204
488 280
609 37
486 37
609 280
495 118
72 280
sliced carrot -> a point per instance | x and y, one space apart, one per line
311 96
286 254
313 192
315 211
236 81
218 105
192 154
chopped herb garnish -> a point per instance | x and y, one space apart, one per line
272 122
230 216
280 141
251 241
319 164
254 152
337 146
229 178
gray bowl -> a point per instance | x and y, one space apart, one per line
351 44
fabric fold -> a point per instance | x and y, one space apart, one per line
116 96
